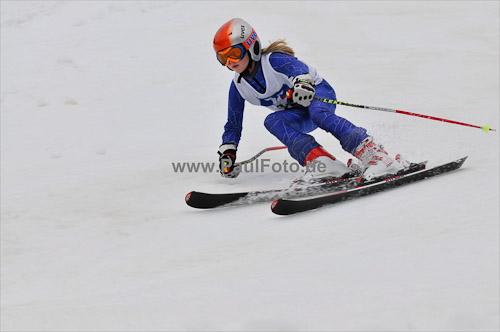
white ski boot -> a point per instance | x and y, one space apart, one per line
322 166
376 162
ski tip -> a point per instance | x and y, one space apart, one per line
188 196
280 208
273 205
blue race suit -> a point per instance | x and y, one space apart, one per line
292 125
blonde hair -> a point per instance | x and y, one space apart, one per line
279 46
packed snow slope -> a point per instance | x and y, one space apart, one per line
99 99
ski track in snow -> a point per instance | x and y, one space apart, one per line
98 99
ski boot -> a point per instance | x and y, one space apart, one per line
376 162
321 168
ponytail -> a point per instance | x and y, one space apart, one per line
279 46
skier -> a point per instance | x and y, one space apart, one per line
275 78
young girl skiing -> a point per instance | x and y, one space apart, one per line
264 77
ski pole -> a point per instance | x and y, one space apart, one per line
259 154
330 101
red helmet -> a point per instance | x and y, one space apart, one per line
238 32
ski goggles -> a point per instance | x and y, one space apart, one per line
233 54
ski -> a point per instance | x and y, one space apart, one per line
289 206
201 200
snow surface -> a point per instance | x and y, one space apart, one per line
98 99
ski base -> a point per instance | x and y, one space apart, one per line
288 206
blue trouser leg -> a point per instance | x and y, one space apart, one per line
323 115
291 128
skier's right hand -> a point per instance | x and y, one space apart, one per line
227 161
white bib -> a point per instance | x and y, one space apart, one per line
277 84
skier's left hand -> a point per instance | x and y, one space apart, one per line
302 91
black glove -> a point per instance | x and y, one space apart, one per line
227 161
